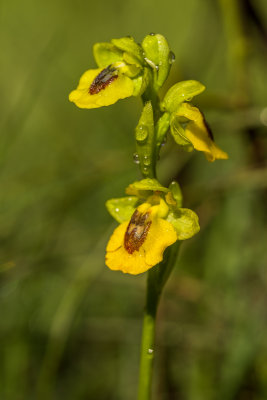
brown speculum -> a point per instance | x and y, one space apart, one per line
103 79
136 231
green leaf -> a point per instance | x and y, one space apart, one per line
180 92
177 193
185 222
145 185
158 56
106 54
123 208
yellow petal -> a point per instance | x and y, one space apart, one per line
117 238
198 133
133 264
160 235
119 88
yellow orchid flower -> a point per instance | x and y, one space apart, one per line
139 243
198 132
102 87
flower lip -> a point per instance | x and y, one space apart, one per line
136 231
103 79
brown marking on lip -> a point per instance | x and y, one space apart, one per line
136 231
103 79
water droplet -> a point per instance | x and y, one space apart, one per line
152 34
164 141
141 133
150 351
171 57
136 158
145 170
117 209
146 160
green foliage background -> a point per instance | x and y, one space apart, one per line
70 328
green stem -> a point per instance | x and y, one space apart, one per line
157 277
147 356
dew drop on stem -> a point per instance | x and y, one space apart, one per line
136 158
171 57
146 160
141 133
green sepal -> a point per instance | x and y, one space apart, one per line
185 222
162 127
128 45
143 188
106 54
157 56
180 92
179 135
123 208
176 193
141 82
144 135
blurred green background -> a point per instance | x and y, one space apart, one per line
70 328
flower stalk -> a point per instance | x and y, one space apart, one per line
158 276
156 280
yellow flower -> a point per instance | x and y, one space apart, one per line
199 134
139 243
145 231
102 87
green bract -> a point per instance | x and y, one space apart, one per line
180 92
177 193
162 127
158 56
144 134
